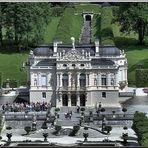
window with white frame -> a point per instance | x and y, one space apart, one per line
43 80
103 79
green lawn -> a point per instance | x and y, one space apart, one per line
135 54
10 65
50 30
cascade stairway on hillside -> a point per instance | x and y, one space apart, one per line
85 36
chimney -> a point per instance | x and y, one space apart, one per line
97 47
55 46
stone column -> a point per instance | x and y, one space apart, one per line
116 79
69 99
99 79
78 77
38 79
69 79
61 80
108 79
78 99
87 79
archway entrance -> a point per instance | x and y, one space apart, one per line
88 18
82 100
73 100
65 100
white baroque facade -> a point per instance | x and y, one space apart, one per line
71 75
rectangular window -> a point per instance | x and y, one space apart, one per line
44 80
103 81
103 94
44 95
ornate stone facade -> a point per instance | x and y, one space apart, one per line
71 75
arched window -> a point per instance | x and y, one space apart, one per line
65 80
103 79
82 80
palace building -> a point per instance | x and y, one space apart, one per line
77 74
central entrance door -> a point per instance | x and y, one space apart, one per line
73 100
82 100
65 100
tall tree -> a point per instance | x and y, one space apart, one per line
133 16
25 21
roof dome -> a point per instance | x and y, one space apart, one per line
42 51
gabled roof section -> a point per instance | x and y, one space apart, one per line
102 62
47 62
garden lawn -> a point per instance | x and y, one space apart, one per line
50 30
10 65
136 55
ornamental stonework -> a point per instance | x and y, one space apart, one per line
73 55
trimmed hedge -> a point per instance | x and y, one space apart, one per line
140 126
141 77
107 37
63 32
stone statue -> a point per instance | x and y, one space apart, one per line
73 42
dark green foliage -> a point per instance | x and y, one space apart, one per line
75 130
12 84
27 129
141 77
82 109
108 129
102 109
140 126
57 11
107 37
57 109
133 17
24 22
124 110
63 32
57 128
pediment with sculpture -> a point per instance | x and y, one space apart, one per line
73 55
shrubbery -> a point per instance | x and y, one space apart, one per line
141 77
75 130
107 37
140 126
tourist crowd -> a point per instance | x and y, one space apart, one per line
25 107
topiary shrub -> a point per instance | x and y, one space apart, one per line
44 125
75 130
27 129
57 109
108 129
